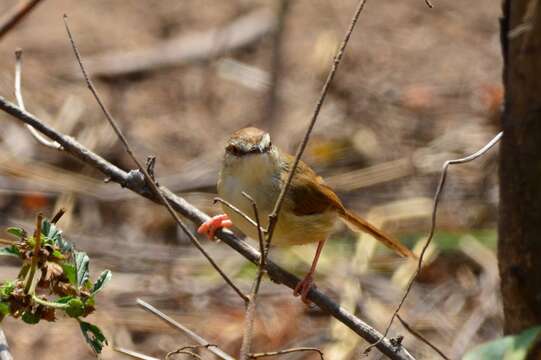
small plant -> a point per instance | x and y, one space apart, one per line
53 277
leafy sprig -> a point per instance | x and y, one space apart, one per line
54 277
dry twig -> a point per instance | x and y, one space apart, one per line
4 348
287 351
134 354
250 310
204 343
437 195
421 337
149 180
16 16
19 96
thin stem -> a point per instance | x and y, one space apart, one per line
287 351
250 310
49 303
35 255
421 337
149 180
212 348
18 95
17 16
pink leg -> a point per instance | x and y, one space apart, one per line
304 286
212 225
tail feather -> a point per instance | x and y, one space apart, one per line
359 224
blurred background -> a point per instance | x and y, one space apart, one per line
417 86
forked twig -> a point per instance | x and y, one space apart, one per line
149 180
273 217
287 351
236 210
437 195
421 337
200 340
19 96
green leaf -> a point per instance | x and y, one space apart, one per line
506 348
30 318
57 254
81 265
10 251
70 272
76 307
102 280
522 343
93 336
4 308
6 289
64 299
15 231
55 234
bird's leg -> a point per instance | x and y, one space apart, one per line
304 286
213 224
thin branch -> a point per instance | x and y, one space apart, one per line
134 183
200 340
16 16
437 195
236 209
134 354
287 351
35 255
421 337
273 217
149 180
185 350
250 310
18 95
429 4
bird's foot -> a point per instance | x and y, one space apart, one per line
213 224
303 288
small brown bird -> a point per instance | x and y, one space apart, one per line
310 209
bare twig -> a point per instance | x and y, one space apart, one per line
437 195
58 215
421 337
276 273
236 209
35 255
18 95
134 354
287 351
16 16
185 350
250 310
212 348
185 48
273 217
429 4
149 180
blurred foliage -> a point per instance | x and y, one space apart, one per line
517 347
62 283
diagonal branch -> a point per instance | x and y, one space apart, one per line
148 179
275 272
16 16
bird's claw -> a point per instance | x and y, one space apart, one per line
303 288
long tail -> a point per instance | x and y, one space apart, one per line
356 223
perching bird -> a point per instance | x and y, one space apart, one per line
252 164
